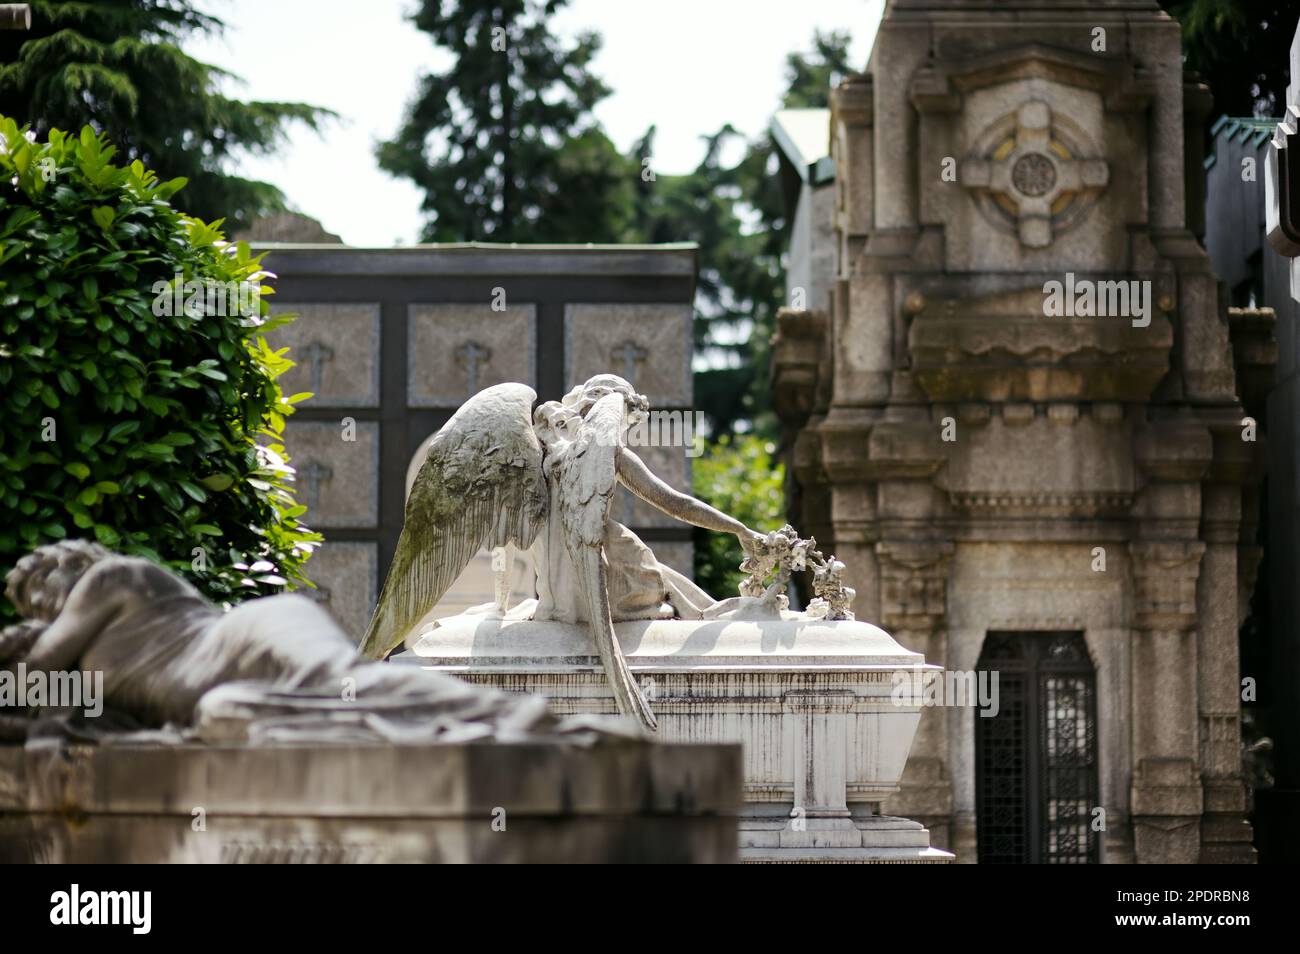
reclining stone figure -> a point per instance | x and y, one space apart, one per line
272 669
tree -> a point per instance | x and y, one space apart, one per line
503 143
810 76
737 216
737 278
1241 49
117 66
138 396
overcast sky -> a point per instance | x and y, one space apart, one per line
687 66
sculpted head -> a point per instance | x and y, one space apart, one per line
583 397
553 421
39 585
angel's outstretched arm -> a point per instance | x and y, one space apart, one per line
638 478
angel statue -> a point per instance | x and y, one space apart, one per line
500 474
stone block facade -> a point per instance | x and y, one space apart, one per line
1001 472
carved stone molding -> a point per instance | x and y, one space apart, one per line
797 350
1164 583
1174 450
853 101
1087 505
1001 347
1166 788
1045 624
1254 354
914 583
938 87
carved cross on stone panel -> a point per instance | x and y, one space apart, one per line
314 475
471 356
1033 174
631 354
317 353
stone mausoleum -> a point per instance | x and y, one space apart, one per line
1016 414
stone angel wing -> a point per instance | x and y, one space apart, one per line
586 475
481 484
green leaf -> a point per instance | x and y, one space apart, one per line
171 187
195 492
107 535
103 216
217 482
125 429
77 469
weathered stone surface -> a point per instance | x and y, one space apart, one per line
616 801
347 579
336 349
814 703
1006 349
337 478
456 350
648 344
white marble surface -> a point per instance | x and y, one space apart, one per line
811 701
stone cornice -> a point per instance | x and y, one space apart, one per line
937 88
1043 504
1174 450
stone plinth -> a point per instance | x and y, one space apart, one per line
811 701
615 801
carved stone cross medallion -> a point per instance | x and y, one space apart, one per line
314 474
631 354
317 354
472 355
1033 175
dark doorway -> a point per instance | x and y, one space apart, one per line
1036 760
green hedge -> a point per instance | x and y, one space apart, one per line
124 418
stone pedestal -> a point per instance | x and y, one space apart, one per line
812 702
615 801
